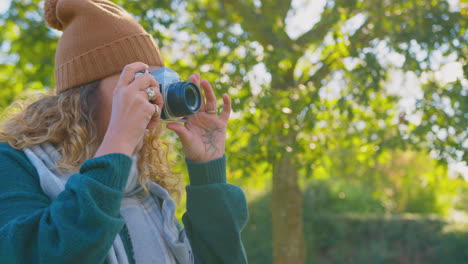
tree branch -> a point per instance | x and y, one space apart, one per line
319 31
261 28
284 5
319 74
330 16
277 9
362 36
359 36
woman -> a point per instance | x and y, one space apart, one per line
84 177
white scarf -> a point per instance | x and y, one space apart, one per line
151 224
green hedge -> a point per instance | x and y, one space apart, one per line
361 237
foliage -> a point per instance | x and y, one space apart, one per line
293 101
333 237
225 46
222 41
406 182
401 181
27 51
461 201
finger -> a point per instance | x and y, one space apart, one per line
148 109
180 130
155 117
144 81
195 78
129 71
157 99
147 112
210 96
151 124
226 108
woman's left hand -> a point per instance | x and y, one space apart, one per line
203 136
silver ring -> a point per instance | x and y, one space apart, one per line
211 111
156 110
151 93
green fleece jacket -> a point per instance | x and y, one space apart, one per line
81 223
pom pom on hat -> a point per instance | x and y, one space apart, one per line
50 11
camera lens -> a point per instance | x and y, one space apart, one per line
183 98
191 99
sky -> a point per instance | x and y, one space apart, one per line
4 4
299 20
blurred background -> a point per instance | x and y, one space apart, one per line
350 127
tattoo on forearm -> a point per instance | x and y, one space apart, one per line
209 140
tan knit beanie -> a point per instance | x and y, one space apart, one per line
99 39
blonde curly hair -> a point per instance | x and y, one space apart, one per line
68 121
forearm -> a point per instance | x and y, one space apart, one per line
78 226
216 214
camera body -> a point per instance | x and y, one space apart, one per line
181 98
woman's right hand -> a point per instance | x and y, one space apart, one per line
132 112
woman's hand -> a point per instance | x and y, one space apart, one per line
132 112
203 136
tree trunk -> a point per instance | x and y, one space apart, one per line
287 212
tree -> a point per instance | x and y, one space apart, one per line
279 129
27 51
279 122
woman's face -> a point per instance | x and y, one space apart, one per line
106 89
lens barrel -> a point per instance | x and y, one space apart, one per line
182 99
